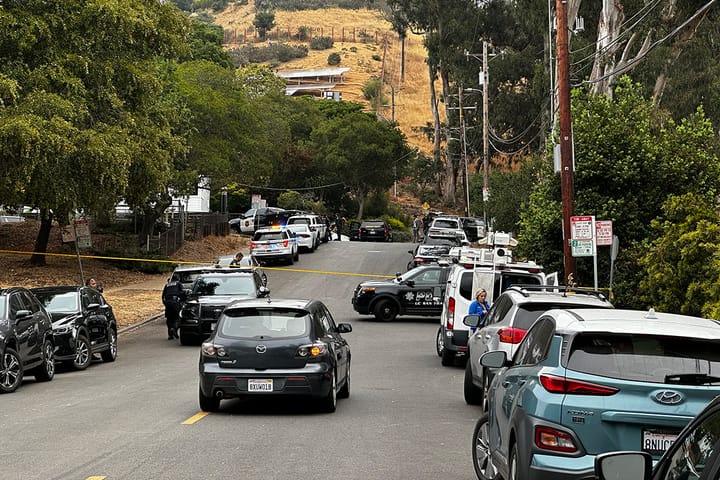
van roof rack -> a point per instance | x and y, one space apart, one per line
564 289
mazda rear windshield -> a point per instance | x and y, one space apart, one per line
266 323
647 358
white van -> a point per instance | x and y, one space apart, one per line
491 269
316 224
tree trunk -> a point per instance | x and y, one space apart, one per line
402 57
150 216
450 170
611 18
41 242
436 125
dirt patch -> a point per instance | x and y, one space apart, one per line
134 295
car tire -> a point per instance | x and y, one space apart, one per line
11 371
513 463
482 458
290 260
328 404
208 404
46 370
447 359
473 394
83 353
487 378
439 342
187 338
297 255
385 310
110 354
344 392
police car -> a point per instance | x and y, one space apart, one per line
416 292
269 244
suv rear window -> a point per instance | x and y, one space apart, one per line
296 221
268 236
253 323
646 358
373 223
445 224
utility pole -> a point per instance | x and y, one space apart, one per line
463 151
486 154
566 140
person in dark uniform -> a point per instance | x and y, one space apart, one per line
172 299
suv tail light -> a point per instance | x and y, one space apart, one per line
451 314
252 245
511 335
285 243
551 439
554 384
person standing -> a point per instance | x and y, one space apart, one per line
339 221
172 299
479 306
417 224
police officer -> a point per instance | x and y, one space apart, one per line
172 299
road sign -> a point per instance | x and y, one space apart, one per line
603 232
582 248
581 227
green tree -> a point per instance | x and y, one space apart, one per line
359 151
264 20
682 264
257 80
88 117
206 43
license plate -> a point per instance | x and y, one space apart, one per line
273 246
260 385
655 442
372 232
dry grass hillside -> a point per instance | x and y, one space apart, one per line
412 99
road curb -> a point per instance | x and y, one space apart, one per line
135 326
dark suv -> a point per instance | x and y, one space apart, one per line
417 292
26 339
512 314
83 324
209 296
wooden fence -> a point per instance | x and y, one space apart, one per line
301 34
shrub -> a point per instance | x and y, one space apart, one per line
321 43
334 59
304 32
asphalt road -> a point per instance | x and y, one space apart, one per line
138 418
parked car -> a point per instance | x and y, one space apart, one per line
513 312
274 244
377 229
186 274
248 262
694 454
26 339
416 292
317 224
256 218
493 270
431 250
283 347
588 381
448 226
474 228
83 324
306 238
209 295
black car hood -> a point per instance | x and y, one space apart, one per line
377 283
61 319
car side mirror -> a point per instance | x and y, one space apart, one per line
411 252
93 306
495 359
263 291
623 466
344 328
21 314
410 283
473 321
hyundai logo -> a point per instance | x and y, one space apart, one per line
668 397
261 349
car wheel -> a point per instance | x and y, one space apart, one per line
439 342
186 338
82 353
386 311
344 392
11 371
329 402
473 394
290 259
208 404
110 354
46 370
481 455
297 255
512 464
447 359
487 377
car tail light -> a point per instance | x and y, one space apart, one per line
313 351
551 439
555 384
285 243
511 335
451 314
252 245
418 260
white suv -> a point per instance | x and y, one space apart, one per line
467 276
316 224
448 227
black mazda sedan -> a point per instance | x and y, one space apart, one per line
83 324
275 347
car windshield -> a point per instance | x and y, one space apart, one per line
224 285
433 250
647 358
59 301
298 228
267 236
296 221
373 224
254 323
249 214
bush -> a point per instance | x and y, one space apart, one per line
321 43
304 32
334 59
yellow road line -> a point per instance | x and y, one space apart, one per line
96 478
195 418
